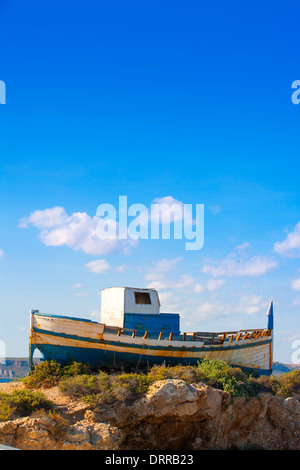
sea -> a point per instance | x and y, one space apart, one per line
5 380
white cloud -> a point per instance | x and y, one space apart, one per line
296 302
241 248
122 268
186 283
161 267
157 277
159 285
95 314
167 209
81 294
77 231
215 209
211 309
169 302
1 253
290 247
77 285
233 266
198 288
44 219
208 307
214 284
296 284
97 266
251 304
214 308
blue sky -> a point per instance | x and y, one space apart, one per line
151 100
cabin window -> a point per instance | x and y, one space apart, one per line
142 298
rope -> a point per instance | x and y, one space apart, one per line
139 358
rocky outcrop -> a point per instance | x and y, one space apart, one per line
171 416
41 433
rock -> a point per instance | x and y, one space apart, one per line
41 433
171 416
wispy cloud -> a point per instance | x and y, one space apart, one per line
100 266
296 302
77 285
161 277
161 267
242 247
214 284
97 266
95 314
290 247
212 309
238 266
157 277
215 209
296 284
251 304
185 283
1 253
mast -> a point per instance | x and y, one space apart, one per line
271 327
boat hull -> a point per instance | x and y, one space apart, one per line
66 339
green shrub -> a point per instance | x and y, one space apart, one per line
285 385
104 388
22 403
6 411
219 374
47 374
75 368
135 384
289 384
265 384
61 425
162 372
80 385
78 380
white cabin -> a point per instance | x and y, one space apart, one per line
117 301
135 308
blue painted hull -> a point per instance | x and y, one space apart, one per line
116 359
102 358
67 339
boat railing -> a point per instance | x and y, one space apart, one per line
199 336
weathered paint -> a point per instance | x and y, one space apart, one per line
65 338
117 301
163 322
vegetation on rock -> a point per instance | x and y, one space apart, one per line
98 388
22 403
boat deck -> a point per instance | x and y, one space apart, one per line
203 337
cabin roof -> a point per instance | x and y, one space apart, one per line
131 288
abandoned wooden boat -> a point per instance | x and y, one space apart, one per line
133 332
